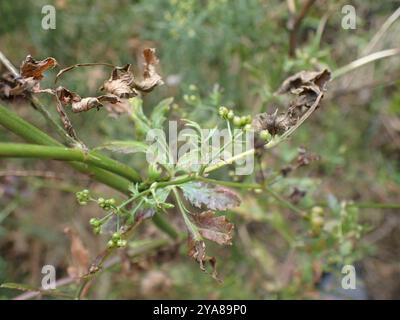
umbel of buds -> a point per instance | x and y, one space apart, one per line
106 204
83 197
242 121
96 224
116 241
226 113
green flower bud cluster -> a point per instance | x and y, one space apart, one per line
96 224
243 122
116 241
106 204
83 197
226 113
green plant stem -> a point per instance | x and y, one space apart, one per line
30 133
67 154
191 227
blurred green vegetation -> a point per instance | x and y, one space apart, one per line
236 54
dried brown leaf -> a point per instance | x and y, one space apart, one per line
151 78
30 68
308 80
120 83
79 104
214 228
79 255
197 251
308 87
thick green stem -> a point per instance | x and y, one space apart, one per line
32 134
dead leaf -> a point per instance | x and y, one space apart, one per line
309 80
79 104
30 68
214 228
79 255
197 251
213 197
307 87
151 78
120 83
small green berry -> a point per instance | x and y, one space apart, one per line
116 236
121 243
97 230
223 112
237 121
247 127
230 115
110 244
265 135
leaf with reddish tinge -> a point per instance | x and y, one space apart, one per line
213 197
214 228
30 68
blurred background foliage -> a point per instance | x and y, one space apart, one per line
234 53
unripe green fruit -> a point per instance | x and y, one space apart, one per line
223 111
121 243
265 135
230 115
116 236
237 121
110 244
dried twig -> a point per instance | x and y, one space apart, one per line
294 25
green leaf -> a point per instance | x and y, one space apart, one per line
158 116
129 146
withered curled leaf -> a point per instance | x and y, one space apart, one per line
79 104
197 251
213 197
307 87
151 78
30 68
316 80
214 228
120 83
